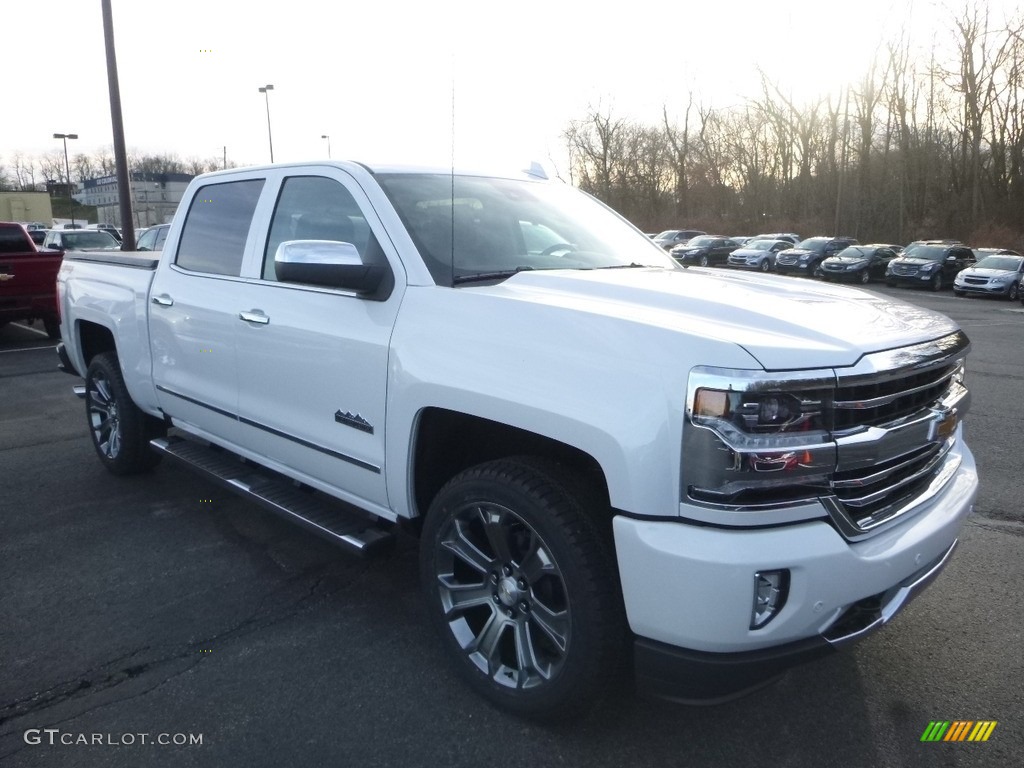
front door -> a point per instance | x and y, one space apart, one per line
313 361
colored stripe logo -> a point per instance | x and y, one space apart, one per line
959 730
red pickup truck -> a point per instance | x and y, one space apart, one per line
28 279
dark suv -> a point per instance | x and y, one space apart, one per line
930 264
806 257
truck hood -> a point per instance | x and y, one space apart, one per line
784 323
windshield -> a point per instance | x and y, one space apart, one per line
813 243
854 251
470 226
1007 263
85 240
701 241
668 234
925 252
759 245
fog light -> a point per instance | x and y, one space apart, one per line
770 590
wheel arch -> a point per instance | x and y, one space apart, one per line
447 442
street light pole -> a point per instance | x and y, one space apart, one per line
67 168
325 136
265 90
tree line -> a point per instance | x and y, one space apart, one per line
32 172
914 149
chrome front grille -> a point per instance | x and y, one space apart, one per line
884 401
894 430
905 270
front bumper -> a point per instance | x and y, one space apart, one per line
986 289
688 589
921 279
793 269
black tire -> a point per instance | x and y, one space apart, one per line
52 326
765 265
120 431
521 583
815 270
935 284
704 261
864 277
1014 293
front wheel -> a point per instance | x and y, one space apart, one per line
765 266
704 261
864 277
1014 292
120 431
521 583
936 282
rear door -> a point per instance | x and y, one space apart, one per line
193 309
313 361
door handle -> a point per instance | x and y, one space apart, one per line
254 316
163 300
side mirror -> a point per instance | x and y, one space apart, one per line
951 258
326 262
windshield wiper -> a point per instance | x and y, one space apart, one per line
483 276
631 265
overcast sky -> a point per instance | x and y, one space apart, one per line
389 79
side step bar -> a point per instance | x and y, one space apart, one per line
353 530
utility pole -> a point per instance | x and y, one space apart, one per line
124 184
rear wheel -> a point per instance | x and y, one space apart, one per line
120 431
522 587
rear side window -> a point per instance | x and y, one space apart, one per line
12 240
217 225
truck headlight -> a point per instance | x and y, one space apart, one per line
753 439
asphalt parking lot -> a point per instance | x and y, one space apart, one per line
163 608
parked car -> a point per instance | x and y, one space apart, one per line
996 275
805 259
28 280
38 235
741 239
757 254
704 250
80 240
673 237
859 263
929 263
153 238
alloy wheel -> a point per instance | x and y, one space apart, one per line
103 417
503 595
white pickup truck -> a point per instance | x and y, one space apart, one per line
615 464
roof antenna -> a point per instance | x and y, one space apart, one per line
453 172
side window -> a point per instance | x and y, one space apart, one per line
217 224
318 208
